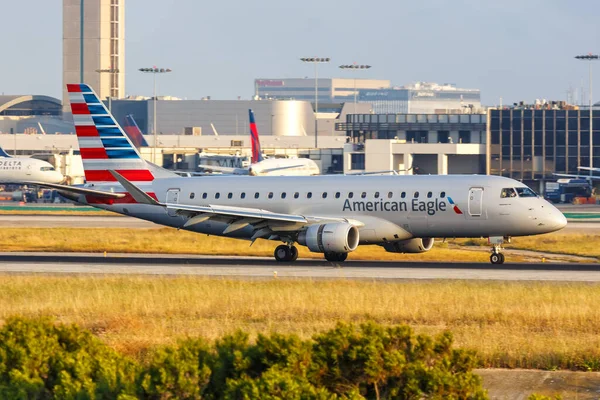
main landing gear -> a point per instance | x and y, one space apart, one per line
286 253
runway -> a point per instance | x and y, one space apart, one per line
117 221
252 268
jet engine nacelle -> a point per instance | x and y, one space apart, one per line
330 238
416 245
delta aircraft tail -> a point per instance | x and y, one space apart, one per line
133 131
256 150
103 144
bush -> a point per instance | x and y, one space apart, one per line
41 360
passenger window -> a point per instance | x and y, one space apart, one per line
337 195
403 194
376 195
350 195
230 195
416 195
296 195
256 195
192 195
429 195
324 195
309 195
363 195
390 195
204 195
242 195
217 195
508 192
443 194
283 195
270 195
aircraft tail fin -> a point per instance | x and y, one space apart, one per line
3 153
132 130
256 150
103 144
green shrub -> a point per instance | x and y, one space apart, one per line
41 360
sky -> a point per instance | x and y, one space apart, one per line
510 49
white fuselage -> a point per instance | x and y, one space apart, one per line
24 169
284 167
388 208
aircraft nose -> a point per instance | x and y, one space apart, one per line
557 219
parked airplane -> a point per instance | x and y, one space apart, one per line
20 169
261 166
329 214
134 132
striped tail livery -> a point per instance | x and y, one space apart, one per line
102 142
256 150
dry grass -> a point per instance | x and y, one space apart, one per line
50 211
168 240
529 325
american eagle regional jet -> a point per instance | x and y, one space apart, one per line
332 215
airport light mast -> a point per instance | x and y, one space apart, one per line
355 67
109 71
316 61
590 57
154 71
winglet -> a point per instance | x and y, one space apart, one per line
4 153
138 195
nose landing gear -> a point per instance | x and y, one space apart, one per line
497 257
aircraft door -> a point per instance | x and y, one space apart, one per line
28 170
476 202
172 198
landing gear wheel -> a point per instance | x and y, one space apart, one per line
283 253
336 257
497 258
293 253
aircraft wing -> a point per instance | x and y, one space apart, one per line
78 190
590 177
265 224
225 170
589 169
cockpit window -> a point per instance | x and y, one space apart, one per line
526 192
508 192
47 169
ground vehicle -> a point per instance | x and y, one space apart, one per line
565 190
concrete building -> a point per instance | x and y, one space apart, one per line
422 98
330 90
94 39
32 114
230 117
415 143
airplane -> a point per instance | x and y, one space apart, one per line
20 169
261 166
329 214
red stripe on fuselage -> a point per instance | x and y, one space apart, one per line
73 87
128 199
136 175
80 108
86 130
93 153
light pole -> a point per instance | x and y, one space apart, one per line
590 57
355 67
109 71
154 71
316 61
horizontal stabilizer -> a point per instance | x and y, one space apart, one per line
138 195
79 190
